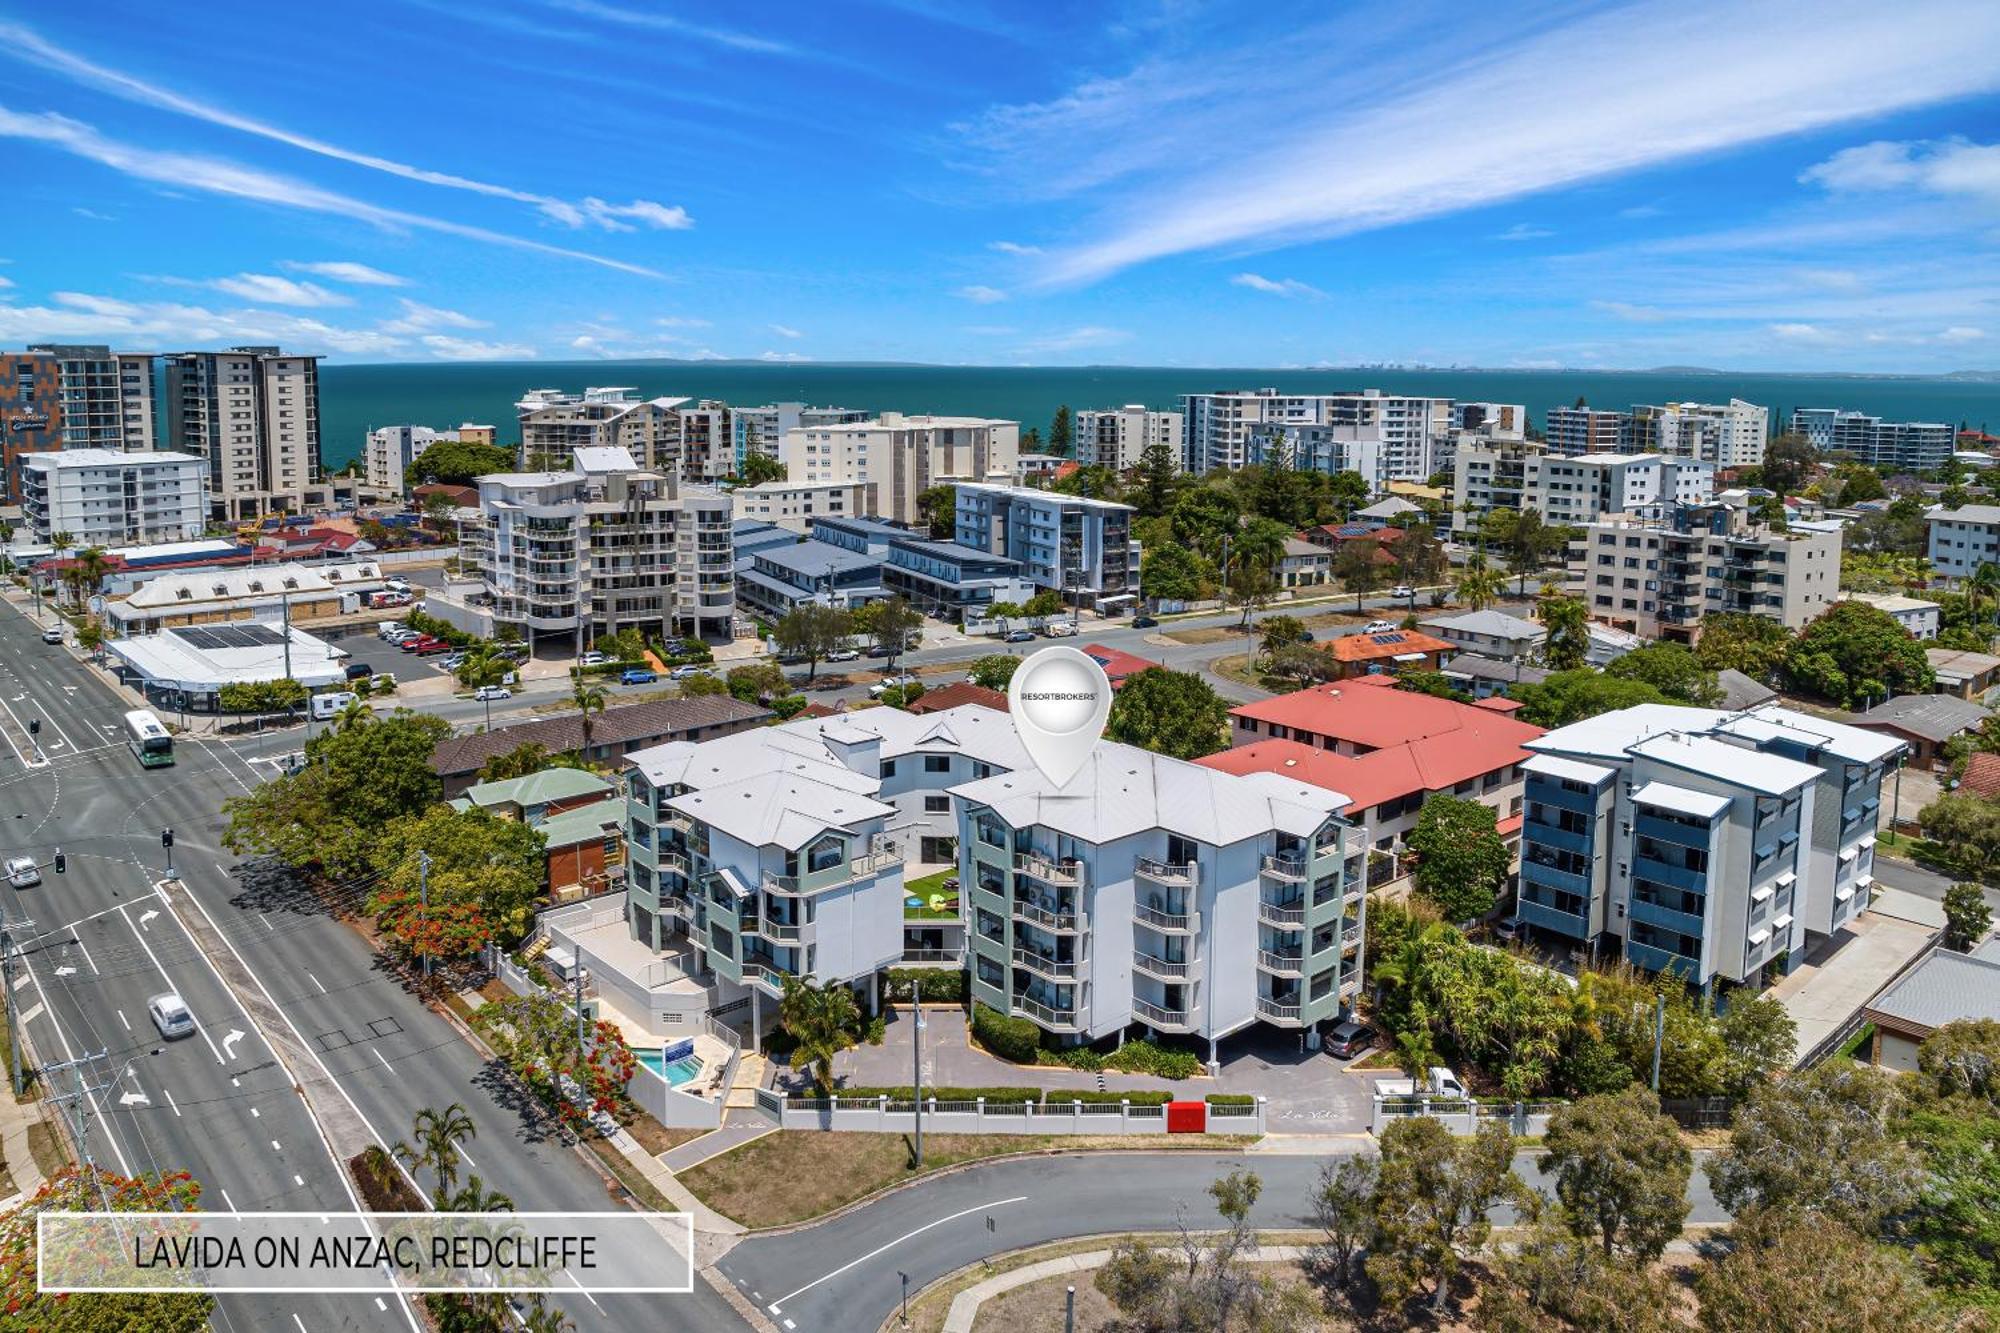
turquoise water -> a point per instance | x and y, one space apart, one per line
354 398
680 1071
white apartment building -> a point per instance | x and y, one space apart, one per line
1327 449
1658 579
1921 618
603 547
1587 430
794 505
1729 435
1963 539
1117 437
762 430
107 397
1912 446
1080 547
105 497
1219 425
554 425
1703 843
1491 421
1156 892
707 454
253 414
1573 489
782 850
896 458
389 451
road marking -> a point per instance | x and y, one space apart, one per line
827 1277
266 920
86 955
385 1063
790 1324
124 1020
219 870
198 1025
317 982
459 1148
34 1012
379 1305
235 1035
69 1053
275 1147
255 1114
146 917
298 1180
65 971
300 1322
135 1099
226 1199
585 1290
171 1102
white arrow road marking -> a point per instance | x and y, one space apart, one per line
235 1035
146 916
135 1099
65 971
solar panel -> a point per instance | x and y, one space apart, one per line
210 638
1387 638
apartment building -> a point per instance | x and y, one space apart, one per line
1327 449
1117 437
778 580
795 504
388 452
1573 489
1698 842
707 452
30 412
894 459
1156 892
253 414
762 430
602 547
555 424
1080 547
1911 446
1587 430
1963 539
105 497
1657 579
1491 421
1729 435
781 851
107 397
951 581
1219 425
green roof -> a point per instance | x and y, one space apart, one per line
583 824
551 784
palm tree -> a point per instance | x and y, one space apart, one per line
541 1317
817 1019
438 1134
1478 583
476 1198
61 541
1567 622
588 696
1004 612
354 714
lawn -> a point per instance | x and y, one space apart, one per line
798 1174
924 888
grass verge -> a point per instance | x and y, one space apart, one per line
657 1138
795 1175
637 1185
46 1146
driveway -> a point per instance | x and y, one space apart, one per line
1306 1093
1845 970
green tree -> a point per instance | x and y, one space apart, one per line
1462 860
525 758
1672 669
93 1189
459 463
696 687
1808 1274
1759 1039
1819 1143
1201 1283
1301 662
1045 603
1788 461
1251 588
1346 492
1621 1171
1478 584
1432 1202
761 468
1551 1279
1959 1064
1173 713
817 1020
436 1135
1343 1207
1853 653
1571 696
1174 573
888 626
1005 613
1858 483
1737 641
589 697
1281 632
1062 435
812 631
995 671
1567 622
1419 556
1357 568
1202 517
1159 479
484 664
755 681
1961 834
495 867
1967 918
937 506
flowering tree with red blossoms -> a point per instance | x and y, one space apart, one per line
76 1190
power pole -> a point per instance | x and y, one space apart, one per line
917 1086
576 974
1659 1036
78 1098
9 933
424 897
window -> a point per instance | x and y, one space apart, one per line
888 768
937 763
937 805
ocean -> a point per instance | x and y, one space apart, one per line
355 398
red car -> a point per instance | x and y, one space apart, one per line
422 643
433 648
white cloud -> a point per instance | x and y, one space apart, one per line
1522 231
214 175
1257 282
681 322
344 270
1831 279
446 348
783 356
982 295
1633 314
1012 248
1952 167
420 318
1803 333
1328 155
5 283
660 22
93 317
1961 333
25 44
783 332
991 330
269 289
1077 339
92 214
1638 211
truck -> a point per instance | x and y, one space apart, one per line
1438 1082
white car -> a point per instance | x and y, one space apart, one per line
22 872
875 691
1058 629
53 634
171 1015
396 585
486 693
1379 627
684 672
594 659
1403 590
844 655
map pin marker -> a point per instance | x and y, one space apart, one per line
1059 699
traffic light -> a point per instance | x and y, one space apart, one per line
166 837
62 862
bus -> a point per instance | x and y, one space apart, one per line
150 741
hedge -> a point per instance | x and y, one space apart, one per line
1016 1039
939 985
943 1094
1230 1099
1059 1096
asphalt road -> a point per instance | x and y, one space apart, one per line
844 1276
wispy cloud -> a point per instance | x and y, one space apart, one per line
345 270
1961 333
447 348
1467 130
269 289
1077 339
1634 314
88 316
25 44
656 21
783 356
680 322
1014 248
420 318
1522 231
786 332
982 295
214 175
1257 282
1952 167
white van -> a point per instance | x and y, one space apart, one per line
326 707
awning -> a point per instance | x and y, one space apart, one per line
1761 892
1757 937
1786 880
1681 800
1116 597
1409 657
1849 853
1867 843
1782 922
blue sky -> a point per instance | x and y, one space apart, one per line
1767 186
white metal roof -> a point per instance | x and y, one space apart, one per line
249 652
1554 766
1701 804
1770 774
786 810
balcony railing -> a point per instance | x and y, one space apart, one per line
1066 921
1176 923
1049 872
1164 968
1274 1009
1062 1019
1166 872
1057 969
934 957
1281 964
1291 868
778 930
1285 916
1177 1020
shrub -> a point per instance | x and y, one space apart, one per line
1076 1057
1016 1039
877 1029
1145 1057
946 1093
1230 1099
934 985
1058 1096
788 707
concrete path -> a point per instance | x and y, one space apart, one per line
706 1219
737 1130
1833 983
15 1118
964 1310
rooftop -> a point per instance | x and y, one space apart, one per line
780 809
1118 666
1629 731
1496 623
1381 718
1934 717
1891 602
1943 988
1982 773
1958 663
1395 645
817 559
204 658
1393 507
1473 666
551 784
1741 691
956 695
81 458
1430 764
1966 514
618 725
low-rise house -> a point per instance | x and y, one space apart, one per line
1740 691
782 578
1982 774
1304 564
580 816
1919 617
245 592
1119 667
952 581
956 695
1925 722
1968 675
614 733
1490 633
1944 987
1388 652
1388 510
1486 677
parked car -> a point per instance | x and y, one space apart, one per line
396 585
1438 1082
53 634
326 707
417 642
594 659
1058 629
491 693
1144 622
452 663
1305 636
691 669
1403 590
1349 1039
892 682
1379 627
843 655
1507 929
637 676
22 872
1020 636
384 628
171 1015
359 671
433 648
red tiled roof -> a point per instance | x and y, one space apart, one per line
1378 719
956 693
1119 666
1375 647
1982 774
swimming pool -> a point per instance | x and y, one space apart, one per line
680 1071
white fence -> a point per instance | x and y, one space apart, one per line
881 1114
1463 1116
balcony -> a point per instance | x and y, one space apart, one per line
675 862
674 819
1059 873
1544 917
1667 918
1673 876
777 930
1534 872
1057 1020
1666 830
1056 969
1290 915
1171 923
766 976
1660 960
1548 835
1166 872
1062 921
1277 1011
1166 1020
1291 869
1281 964
1164 968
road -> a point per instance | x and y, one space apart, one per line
219 1106
843 1276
